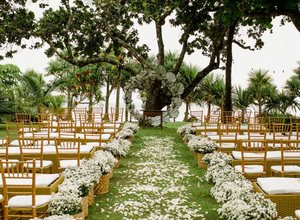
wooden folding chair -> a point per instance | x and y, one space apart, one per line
80 115
280 131
253 159
196 118
117 115
33 149
66 129
257 131
94 132
4 143
228 134
276 120
23 202
290 159
23 117
68 152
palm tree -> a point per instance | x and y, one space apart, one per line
187 73
211 91
33 92
292 85
241 100
282 102
261 88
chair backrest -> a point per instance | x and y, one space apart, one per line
92 132
4 142
97 117
116 114
281 129
80 114
66 129
12 130
254 152
13 172
68 149
32 149
23 117
257 131
276 120
196 118
290 153
228 130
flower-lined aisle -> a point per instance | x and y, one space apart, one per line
155 187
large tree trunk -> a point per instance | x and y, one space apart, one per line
186 114
228 87
106 117
157 98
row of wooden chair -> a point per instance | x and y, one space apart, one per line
21 204
67 153
255 155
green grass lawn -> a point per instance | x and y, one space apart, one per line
197 191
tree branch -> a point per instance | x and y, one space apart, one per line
213 64
66 38
133 51
185 38
242 46
160 43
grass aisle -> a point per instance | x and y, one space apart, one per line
158 180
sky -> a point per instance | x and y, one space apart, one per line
279 55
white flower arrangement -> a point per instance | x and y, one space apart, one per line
188 137
57 217
249 206
118 147
131 126
186 129
104 160
217 158
125 134
235 192
225 191
202 145
65 203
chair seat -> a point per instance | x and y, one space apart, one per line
228 145
26 201
68 163
251 169
46 164
287 169
279 185
42 180
1 198
297 214
14 143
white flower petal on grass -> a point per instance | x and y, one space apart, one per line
157 185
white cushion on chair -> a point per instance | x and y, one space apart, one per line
46 163
287 168
279 185
14 143
228 145
270 155
250 168
68 163
109 131
26 201
1 197
42 180
297 213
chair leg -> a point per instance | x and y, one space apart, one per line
5 213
